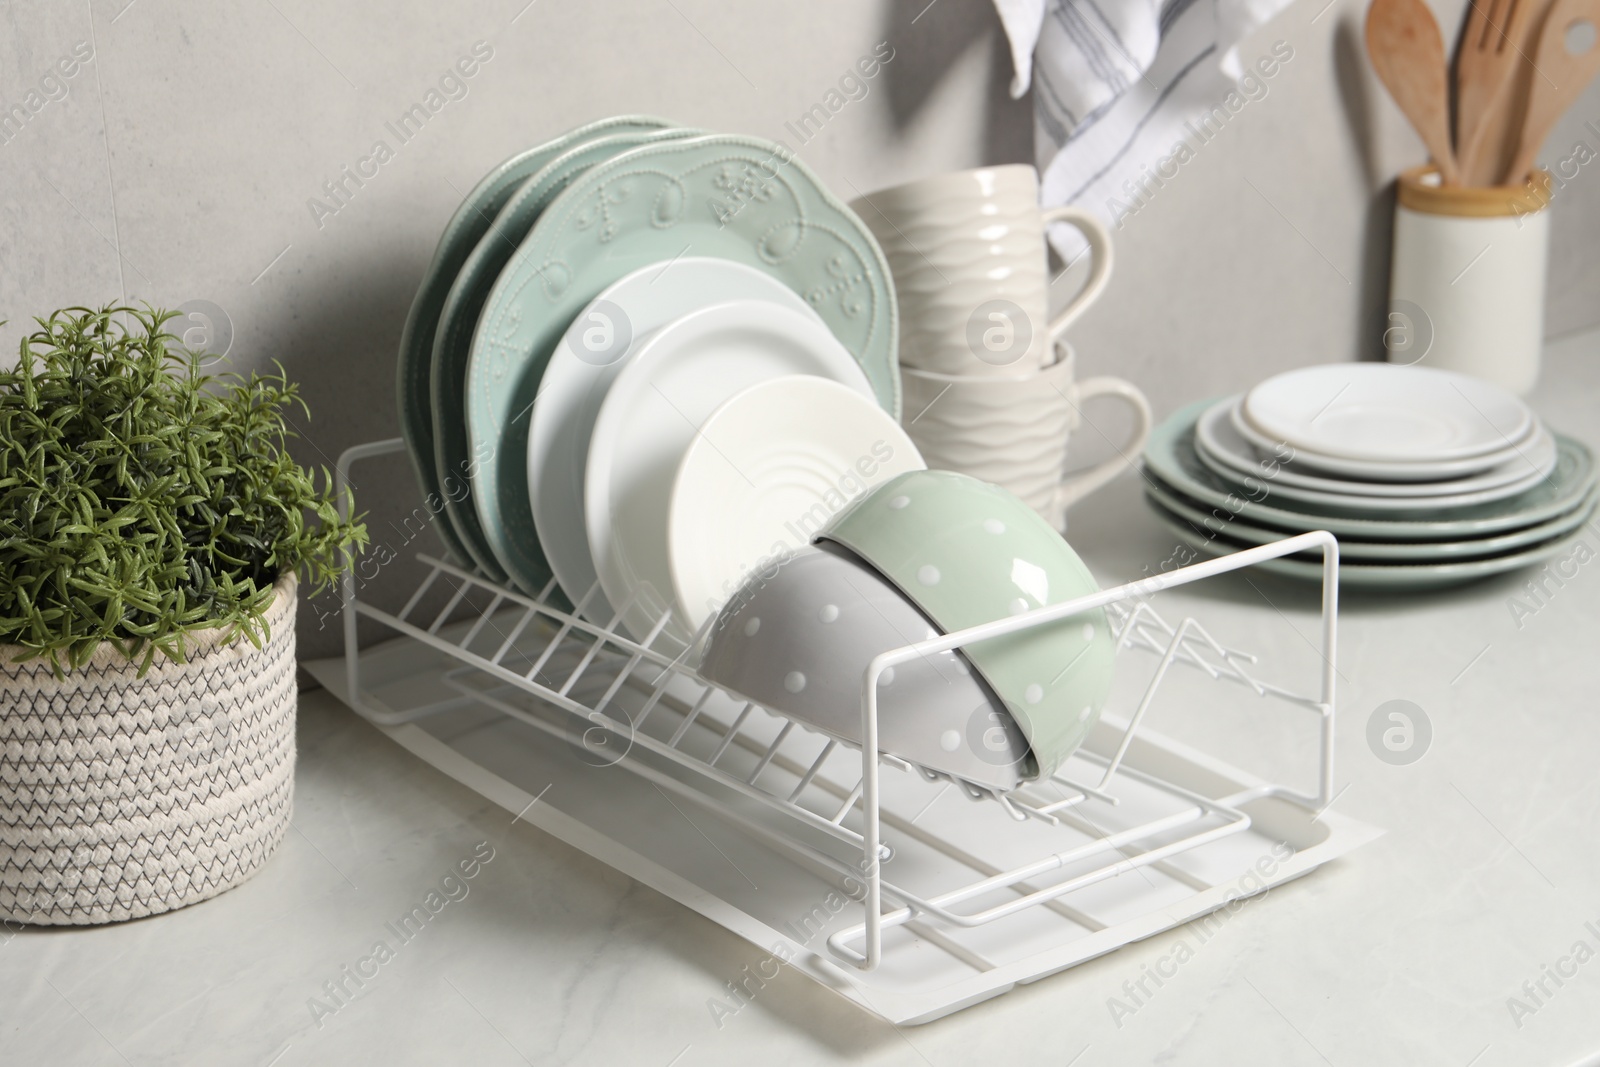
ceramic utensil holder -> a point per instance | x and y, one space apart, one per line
1466 286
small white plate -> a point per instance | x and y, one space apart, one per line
1287 496
653 411
1368 470
598 344
1385 413
1171 458
1224 450
769 469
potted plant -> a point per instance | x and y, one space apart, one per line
152 527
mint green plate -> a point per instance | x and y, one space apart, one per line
967 552
1353 551
454 463
1172 458
1391 577
716 195
469 223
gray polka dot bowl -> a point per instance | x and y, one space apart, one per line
967 552
798 639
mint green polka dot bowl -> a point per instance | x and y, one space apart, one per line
967 552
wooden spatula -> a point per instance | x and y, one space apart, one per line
1495 48
1407 51
1559 77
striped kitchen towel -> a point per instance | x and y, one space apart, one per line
1125 92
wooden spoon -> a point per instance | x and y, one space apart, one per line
1559 77
1407 51
1494 45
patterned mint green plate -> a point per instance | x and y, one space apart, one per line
717 195
454 462
469 223
1353 550
1390 577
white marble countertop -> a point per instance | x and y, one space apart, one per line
1407 952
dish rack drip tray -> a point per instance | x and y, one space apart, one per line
911 893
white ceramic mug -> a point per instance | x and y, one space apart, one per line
1013 430
971 270
1466 285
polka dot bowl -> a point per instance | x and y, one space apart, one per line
967 552
798 639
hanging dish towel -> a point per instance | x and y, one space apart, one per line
1125 92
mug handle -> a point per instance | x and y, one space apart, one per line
1081 484
1099 264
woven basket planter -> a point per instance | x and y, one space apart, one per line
123 796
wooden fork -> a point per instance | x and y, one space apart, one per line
1494 50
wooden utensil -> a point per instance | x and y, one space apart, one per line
1498 37
1407 51
1558 77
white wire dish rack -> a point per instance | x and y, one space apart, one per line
853 865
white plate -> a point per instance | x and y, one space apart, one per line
1386 413
768 470
599 343
1369 470
1224 451
653 411
1171 458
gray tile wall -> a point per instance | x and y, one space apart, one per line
179 164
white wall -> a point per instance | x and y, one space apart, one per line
195 137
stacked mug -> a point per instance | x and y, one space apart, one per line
989 385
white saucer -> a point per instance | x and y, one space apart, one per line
1226 452
1368 470
654 410
1171 457
1385 413
1286 496
600 342
766 473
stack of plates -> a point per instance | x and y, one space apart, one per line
592 307
1428 478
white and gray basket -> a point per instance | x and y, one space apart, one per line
123 796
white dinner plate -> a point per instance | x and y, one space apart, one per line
1386 413
1525 470
1221 446
767 471
653 410
1171 457
598 344
1366 469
